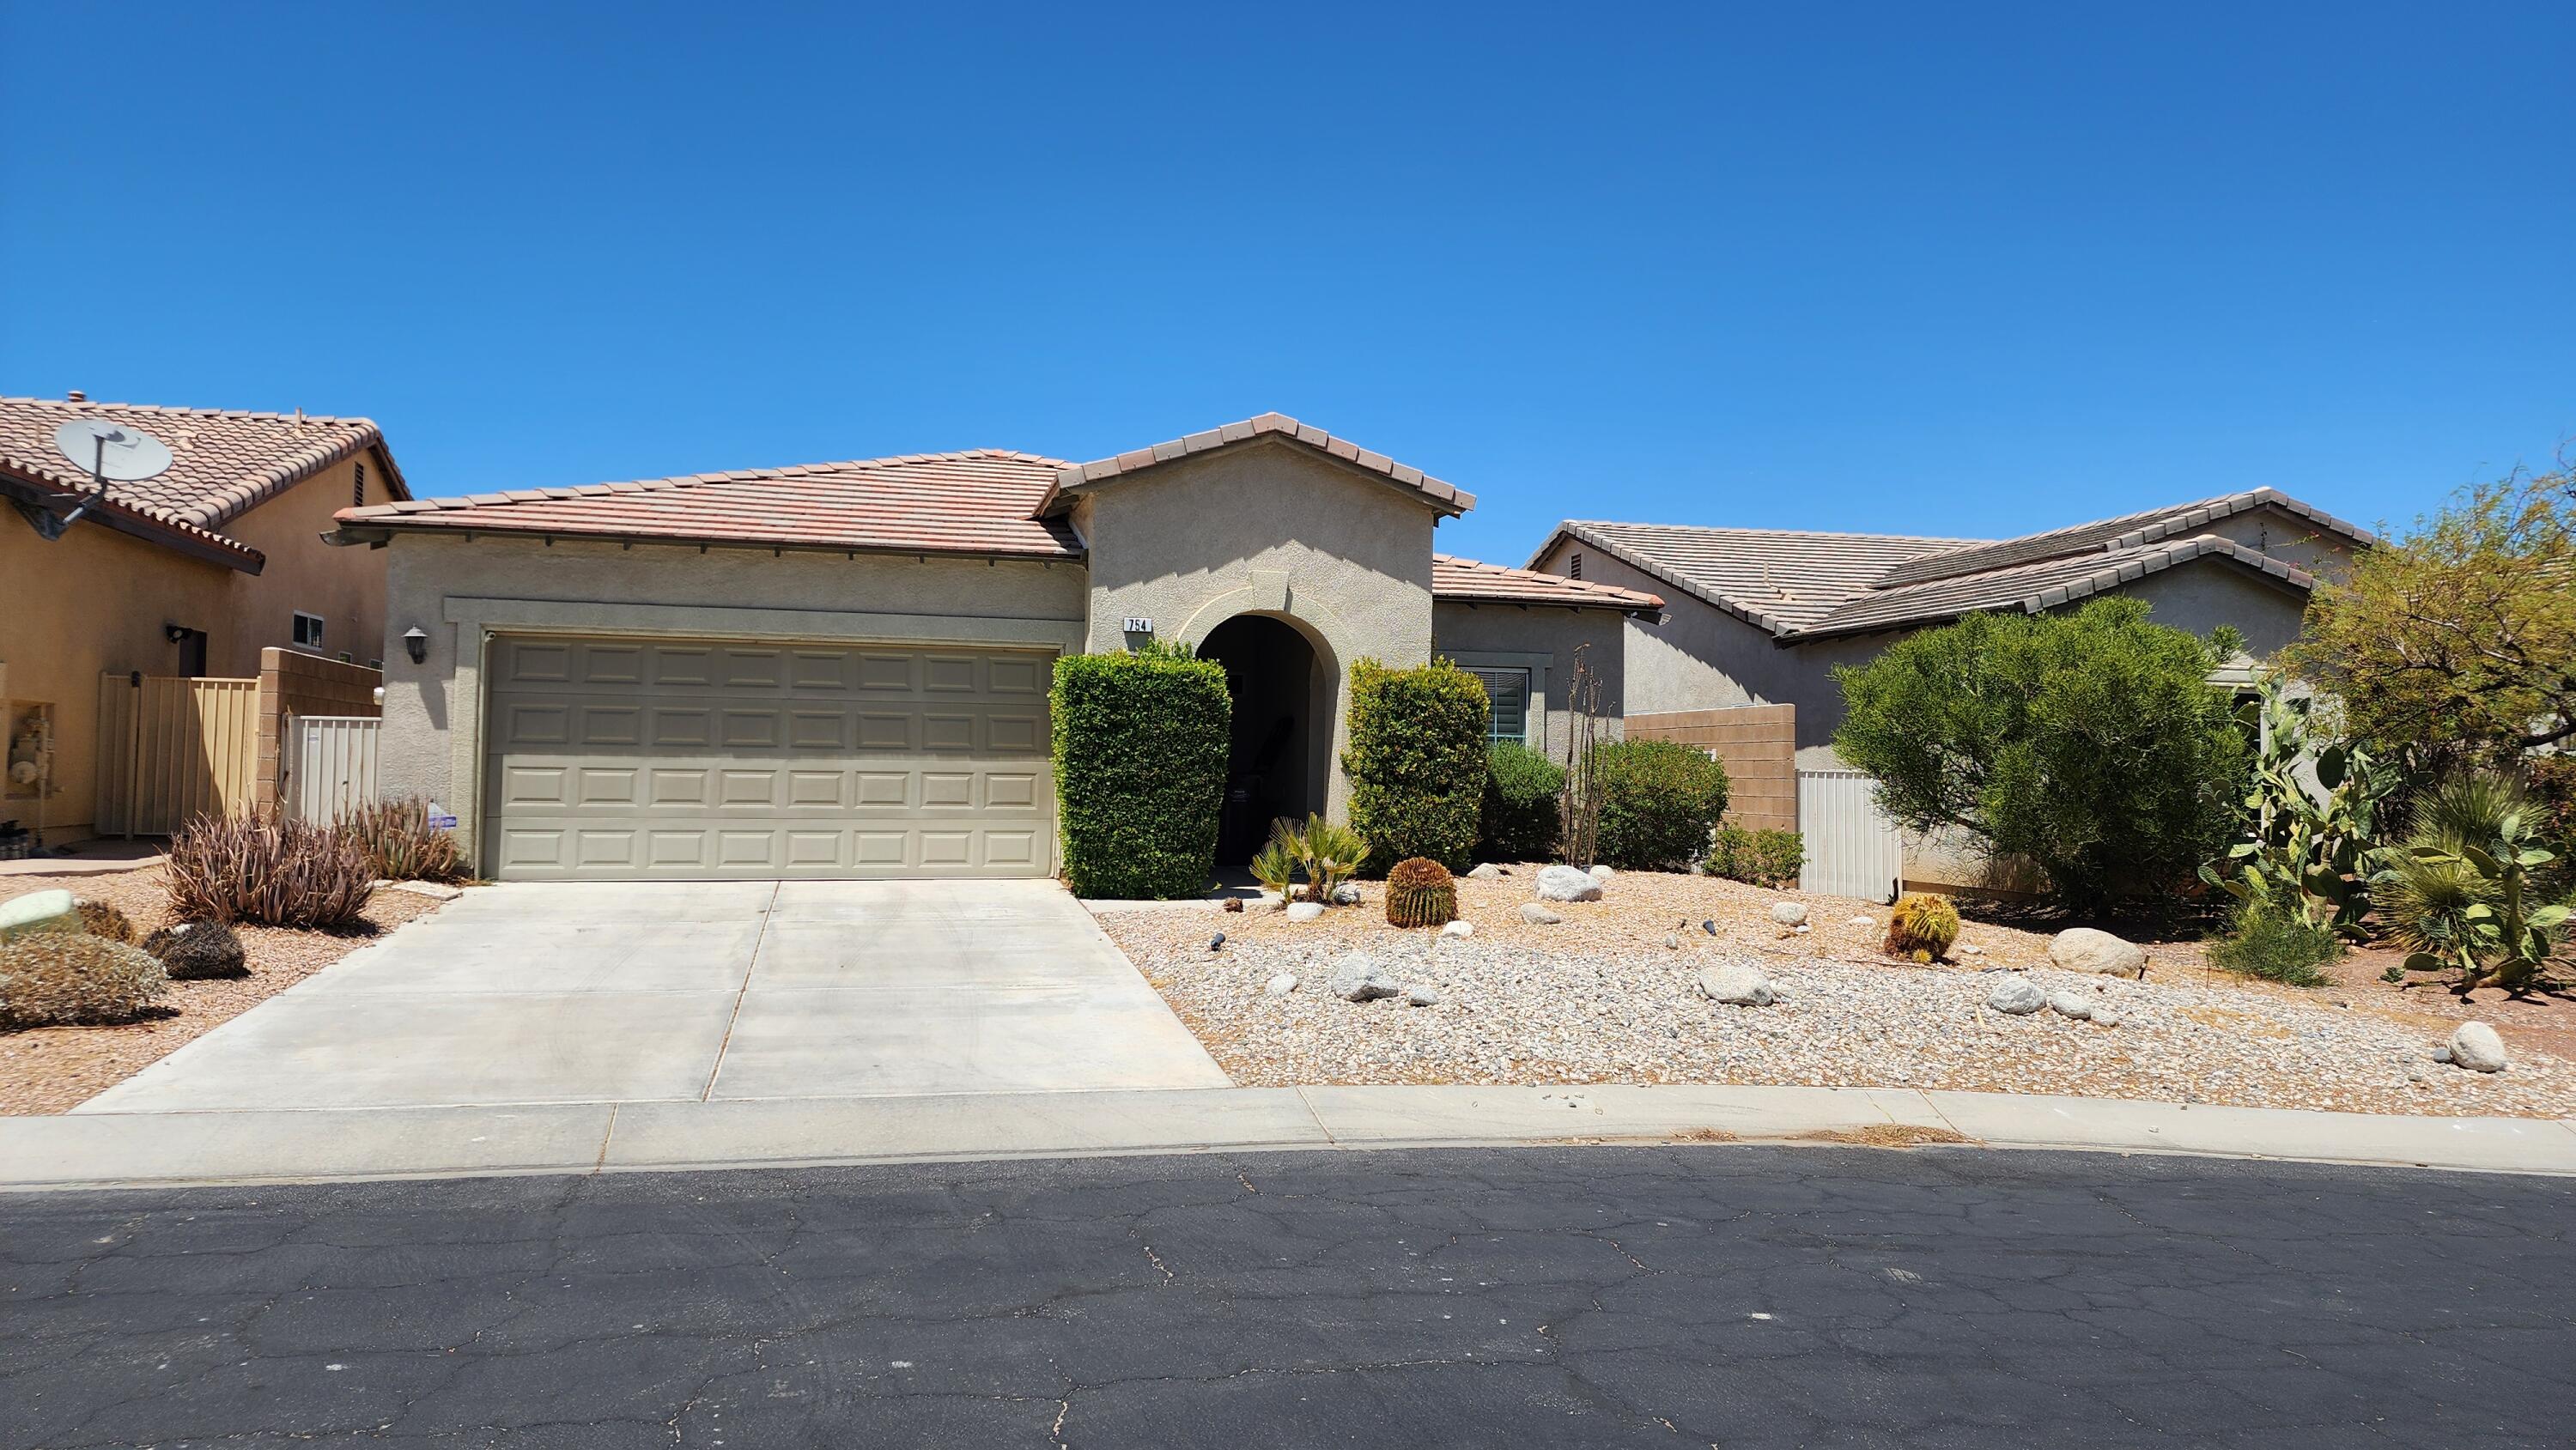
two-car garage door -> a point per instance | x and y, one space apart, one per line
627 758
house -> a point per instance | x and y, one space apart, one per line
1763 616
193 572
841 669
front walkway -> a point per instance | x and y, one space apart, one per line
698 991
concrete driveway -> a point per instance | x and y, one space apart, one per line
679 992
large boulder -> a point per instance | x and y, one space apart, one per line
1737 984
2083 949
1358 977
2477 1047
2016 996
42 911
1566 883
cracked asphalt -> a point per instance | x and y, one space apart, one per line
1662 1296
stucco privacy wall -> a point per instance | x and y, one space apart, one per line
346 587
460 591
1543 641
1275 529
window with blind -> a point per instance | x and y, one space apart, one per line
1507 695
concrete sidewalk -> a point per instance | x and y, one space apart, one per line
126 1149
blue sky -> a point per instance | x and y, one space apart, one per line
1918 268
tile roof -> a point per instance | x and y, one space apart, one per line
1776 579
223 462
1472 581
2032 587
1074 477
2128 531
981 502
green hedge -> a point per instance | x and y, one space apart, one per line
1769 857
1519 821
1659 802
1140 756
1416 762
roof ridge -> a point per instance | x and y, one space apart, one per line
779 473
1778 533
255 415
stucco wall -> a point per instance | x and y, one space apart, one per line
1543 641
1267 528
89 603
344 586
458 592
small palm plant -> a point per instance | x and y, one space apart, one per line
1275 864
1326 853
2459 892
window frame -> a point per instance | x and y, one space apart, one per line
1493 722
320 630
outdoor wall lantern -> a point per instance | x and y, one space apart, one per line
416 643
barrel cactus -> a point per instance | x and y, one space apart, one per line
102 918
1922 927
198 950
50 979
1421 892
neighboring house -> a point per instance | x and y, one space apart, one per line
190 573
841 669
1763 617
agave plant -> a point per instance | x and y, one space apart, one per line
2459 893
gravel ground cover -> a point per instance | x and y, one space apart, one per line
1601 998
51 1069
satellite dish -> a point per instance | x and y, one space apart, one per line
112 452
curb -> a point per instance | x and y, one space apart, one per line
124 1150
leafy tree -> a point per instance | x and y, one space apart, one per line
2091 743
2458 645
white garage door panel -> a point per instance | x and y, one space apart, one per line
688 758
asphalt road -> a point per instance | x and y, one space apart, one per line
1726 1296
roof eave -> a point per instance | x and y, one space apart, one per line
1077 479
123 518
381 530
1711 598
2287 577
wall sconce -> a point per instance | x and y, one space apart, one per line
416 643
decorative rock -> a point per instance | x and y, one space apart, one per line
2105 1015
1789 913
1672 941
1602 873
1737 984
1867 921
1801 929
1564 883
1346 894
1537 915
2016 997
2083 949
1218 944
1232 903
2442 1053
1485 871
434 890
1422 996
1305 910
1709 926
1972 950
44 911
2476 1047
1282 985
1358 978
2067 1002
1459 928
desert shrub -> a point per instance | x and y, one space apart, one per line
2090 743
402 845
192 951
1416 761
2460 893
100 918
1325 854
1518 818
1420 892
267 869
58 979
1921 927
2266 941
1140 753
1659 803
1768 858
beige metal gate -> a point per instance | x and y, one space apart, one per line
333 765
170 748
1853 849
618 758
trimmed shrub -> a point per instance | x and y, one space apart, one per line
267 869
1659 803
1420 892
1769 858
193 951
2276 945
1921 928
1416 761
1517 820
1140 754
402 845
99 918
57 979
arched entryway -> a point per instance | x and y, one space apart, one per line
1278 763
